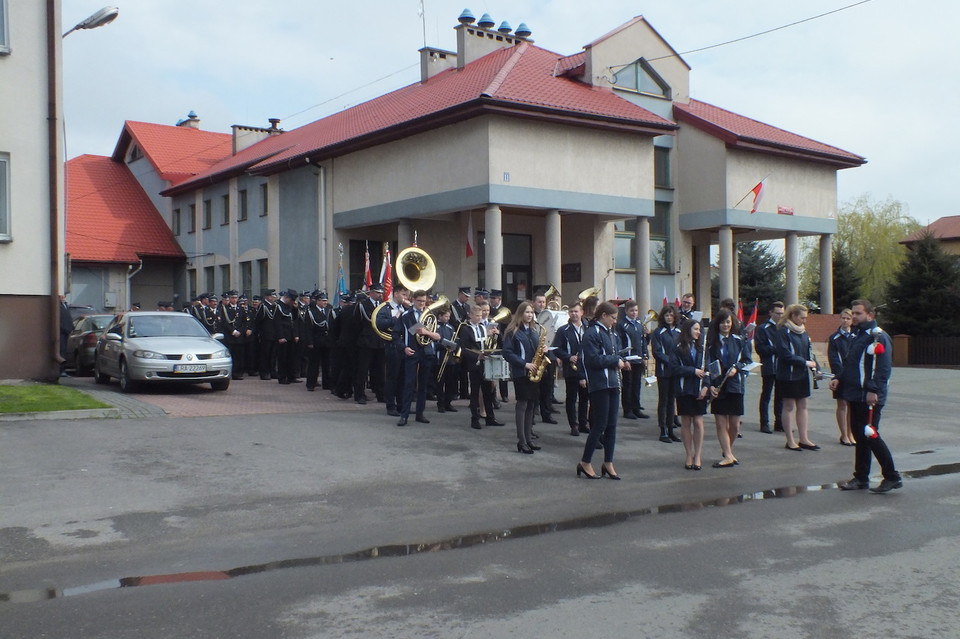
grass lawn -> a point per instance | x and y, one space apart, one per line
34 398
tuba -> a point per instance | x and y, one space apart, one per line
649 322
551 292
593 291
387 337
429 318
415 269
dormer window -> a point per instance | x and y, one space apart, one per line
640 77
135 154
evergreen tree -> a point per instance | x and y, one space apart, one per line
847 283
924 295
761 275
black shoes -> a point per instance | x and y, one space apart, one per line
606 473
422 419
854 484
533 446
548 420
798 449
887 485
494 422
393 412
809 446
574 432
766 429
666 439
449 408
402 422
475 425
360 400
641 415
523 448
581 471
629 415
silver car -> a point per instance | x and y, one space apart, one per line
156 346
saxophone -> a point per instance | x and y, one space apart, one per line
540 358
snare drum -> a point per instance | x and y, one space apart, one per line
495 368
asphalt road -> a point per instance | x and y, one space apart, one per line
333 522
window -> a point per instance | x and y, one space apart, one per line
225 276
246 277
135 154
264 206
242 205
661 167
193 219
641 78
625 237
209 283
4 194
262 273
225 213
191 283
207 214
175 222
4 31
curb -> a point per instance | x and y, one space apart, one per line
91 413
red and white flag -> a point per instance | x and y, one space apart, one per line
676 302
740 311
367 277
386 275
753 315
758 194
470 250
665 300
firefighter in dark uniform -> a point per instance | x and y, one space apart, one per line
369 349
344 329
267 333
233 323
251 342
285 320
316 336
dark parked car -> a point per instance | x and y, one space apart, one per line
79 310
82 342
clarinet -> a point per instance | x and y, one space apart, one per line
703 362
816 371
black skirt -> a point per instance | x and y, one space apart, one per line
526 390
794 388
688 405
728 404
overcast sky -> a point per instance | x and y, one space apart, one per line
879 79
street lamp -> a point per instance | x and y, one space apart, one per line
100 18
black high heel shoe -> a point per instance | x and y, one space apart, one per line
534 446
523 448
581 471
606 473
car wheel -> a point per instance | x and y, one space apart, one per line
220 384
126 384
78 365
98 375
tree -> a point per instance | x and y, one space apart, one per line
761 274
924 294
847 285
870 233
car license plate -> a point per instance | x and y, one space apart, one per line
189 368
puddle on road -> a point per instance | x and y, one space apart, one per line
465 541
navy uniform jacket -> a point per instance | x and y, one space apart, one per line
683 365
567 344
403 334
264 321
283 321
765 341
837 347
632 337
468 339
793 353
519 349
737 354
601 358
864 373
317 325
663 343
230 319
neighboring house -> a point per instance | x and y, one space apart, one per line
31 197
120 249
945 229
576 170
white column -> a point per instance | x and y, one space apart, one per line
551 246
641 262
701 287
493 248
826 274
791 254
726 263
404 235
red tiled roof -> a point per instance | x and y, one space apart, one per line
946 228
742 132
571 65
108 216
519 78
177 152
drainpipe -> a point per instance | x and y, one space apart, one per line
53 168
130 277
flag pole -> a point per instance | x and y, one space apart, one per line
750 191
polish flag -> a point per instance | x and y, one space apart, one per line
740 311
470 250
676 302
665 300
758 194
753 315
386 275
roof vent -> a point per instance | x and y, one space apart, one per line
466 17
191 121
523 31
486 21
504 28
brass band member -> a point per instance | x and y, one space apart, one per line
837 347
794 363
726 346
521 346
567 342
689 368
419 359
473 338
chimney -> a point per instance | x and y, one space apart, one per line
191 121
476 41
247 136
433 61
